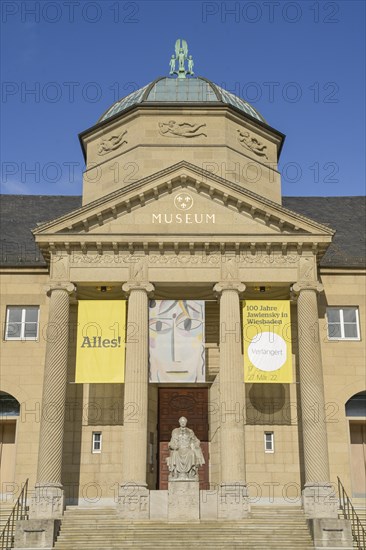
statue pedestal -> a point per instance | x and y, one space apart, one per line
183 500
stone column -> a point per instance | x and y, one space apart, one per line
134 495
318 495
48 500
233 498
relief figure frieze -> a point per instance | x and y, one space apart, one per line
182 129
252 144
112 143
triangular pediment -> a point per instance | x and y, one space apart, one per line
180 203
186 211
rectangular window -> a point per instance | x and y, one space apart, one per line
268 442
343 323
22 323
97 442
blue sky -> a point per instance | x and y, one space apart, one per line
301 64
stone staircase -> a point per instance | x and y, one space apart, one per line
5 511
360 509
269 528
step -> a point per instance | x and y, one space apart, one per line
5 511
268 528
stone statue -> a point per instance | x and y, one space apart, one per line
185 453
172 64
181 55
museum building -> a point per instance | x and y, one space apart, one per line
182 283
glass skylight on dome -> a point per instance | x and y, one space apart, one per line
184 90
175 90
124 103
239 103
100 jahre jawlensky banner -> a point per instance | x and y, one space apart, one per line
100 355
267 341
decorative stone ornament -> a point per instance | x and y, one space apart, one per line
112 143
180 129
252 144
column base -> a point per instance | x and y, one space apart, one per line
133 501
36 533
183 500
47 502
331 533
319 501
233 501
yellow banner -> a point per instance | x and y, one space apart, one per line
101 342
267 341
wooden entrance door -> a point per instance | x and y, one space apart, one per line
358 458
7 452
174 403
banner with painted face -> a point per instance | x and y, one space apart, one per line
177 341
100 347
267 341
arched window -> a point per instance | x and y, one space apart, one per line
9 406
356 406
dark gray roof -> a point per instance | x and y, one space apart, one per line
347 216
21 213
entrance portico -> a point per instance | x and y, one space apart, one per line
222 267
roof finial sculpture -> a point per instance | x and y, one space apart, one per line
181 55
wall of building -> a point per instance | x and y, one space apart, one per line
22 365
278 475
343 366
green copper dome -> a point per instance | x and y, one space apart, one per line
186 90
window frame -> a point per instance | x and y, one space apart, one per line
22 323
342 323
94 449
272 449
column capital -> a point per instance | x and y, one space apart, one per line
67 287
138 285
307 285
229 285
